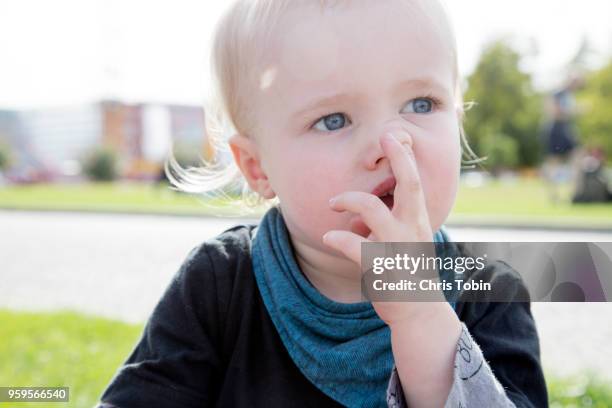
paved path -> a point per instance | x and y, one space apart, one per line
118 265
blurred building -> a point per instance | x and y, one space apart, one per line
24 163
53 143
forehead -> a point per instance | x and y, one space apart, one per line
369 45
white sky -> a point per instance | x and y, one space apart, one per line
70 51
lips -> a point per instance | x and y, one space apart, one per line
385 191
387 186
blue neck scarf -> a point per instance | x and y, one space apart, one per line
344 349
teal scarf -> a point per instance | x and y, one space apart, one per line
344 349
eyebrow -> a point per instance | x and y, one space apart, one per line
420 83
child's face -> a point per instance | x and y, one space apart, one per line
371 55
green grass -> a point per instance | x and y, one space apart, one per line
581 391
83 353
103 196
62 349
524 202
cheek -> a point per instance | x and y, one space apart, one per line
305 180
305 174
439 166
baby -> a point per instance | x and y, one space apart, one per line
347 116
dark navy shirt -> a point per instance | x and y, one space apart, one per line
211 343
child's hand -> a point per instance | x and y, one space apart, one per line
408 221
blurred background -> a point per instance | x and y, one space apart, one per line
94 93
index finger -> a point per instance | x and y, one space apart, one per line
409 199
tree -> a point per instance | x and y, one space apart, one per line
595 124
101 165
505 105
5 156
502 152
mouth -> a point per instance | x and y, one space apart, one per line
388 200
385 191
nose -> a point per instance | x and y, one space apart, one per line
375 153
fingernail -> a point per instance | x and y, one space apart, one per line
332 201
325 236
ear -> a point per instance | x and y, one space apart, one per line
246 156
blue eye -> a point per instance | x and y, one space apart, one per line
336 121
422 105
331 122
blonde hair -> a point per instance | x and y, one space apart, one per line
237 40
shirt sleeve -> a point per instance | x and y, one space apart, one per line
175 363
474 384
